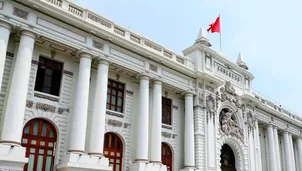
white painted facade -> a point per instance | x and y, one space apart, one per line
201 83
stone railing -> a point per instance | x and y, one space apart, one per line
105 24
276 106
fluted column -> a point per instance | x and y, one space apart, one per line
189 132
5 30
299 147
99 110
79 117
271 147
287 153
156 122
15 107
278 161
143 121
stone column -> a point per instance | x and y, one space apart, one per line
271 147
189 132
15 107
299 147
143 121
5 30
278 161
287 153
99 110
292 154
156 122
80 110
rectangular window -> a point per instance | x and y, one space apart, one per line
166 111
115 96
49 74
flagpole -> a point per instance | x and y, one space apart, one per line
220 34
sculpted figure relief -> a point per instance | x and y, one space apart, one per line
230 127
251 119
210 103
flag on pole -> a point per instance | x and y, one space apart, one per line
215 27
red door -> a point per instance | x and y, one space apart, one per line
39 139
166 156
113 150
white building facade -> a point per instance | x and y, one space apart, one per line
81 93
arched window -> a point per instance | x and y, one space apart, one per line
113 150
39 138
166 156
227 159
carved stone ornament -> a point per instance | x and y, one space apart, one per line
45 107
230 127
227 93
210 104
114 123
251 120
166 134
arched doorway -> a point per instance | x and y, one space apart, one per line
39 138
113 150
227 159
166 156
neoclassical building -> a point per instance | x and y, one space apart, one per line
81 93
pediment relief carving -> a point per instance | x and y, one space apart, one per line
228 93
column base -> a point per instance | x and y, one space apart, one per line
83 162
139 166
12 157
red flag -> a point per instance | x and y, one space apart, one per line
215 27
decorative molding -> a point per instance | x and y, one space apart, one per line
98 45
175 107
68 73
129 92
43 96
120 115
166 127
99 20
227 93
29 103
209 88
114 123
153 46
10 54
127 125
35 62
20 13
166 134
62 110
45 107
153 67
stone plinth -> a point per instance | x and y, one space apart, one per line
12 158
147 167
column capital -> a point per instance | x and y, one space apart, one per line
189 94
28 33
102 61
6 25
157 81
144 76
85 55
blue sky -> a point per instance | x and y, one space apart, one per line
267 33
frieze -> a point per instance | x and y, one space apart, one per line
153 67
68 73
166 134
227 93
45 107
114 123
62 110
29 103
108 112
99 20
98 45
127 125
20 13
46 97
